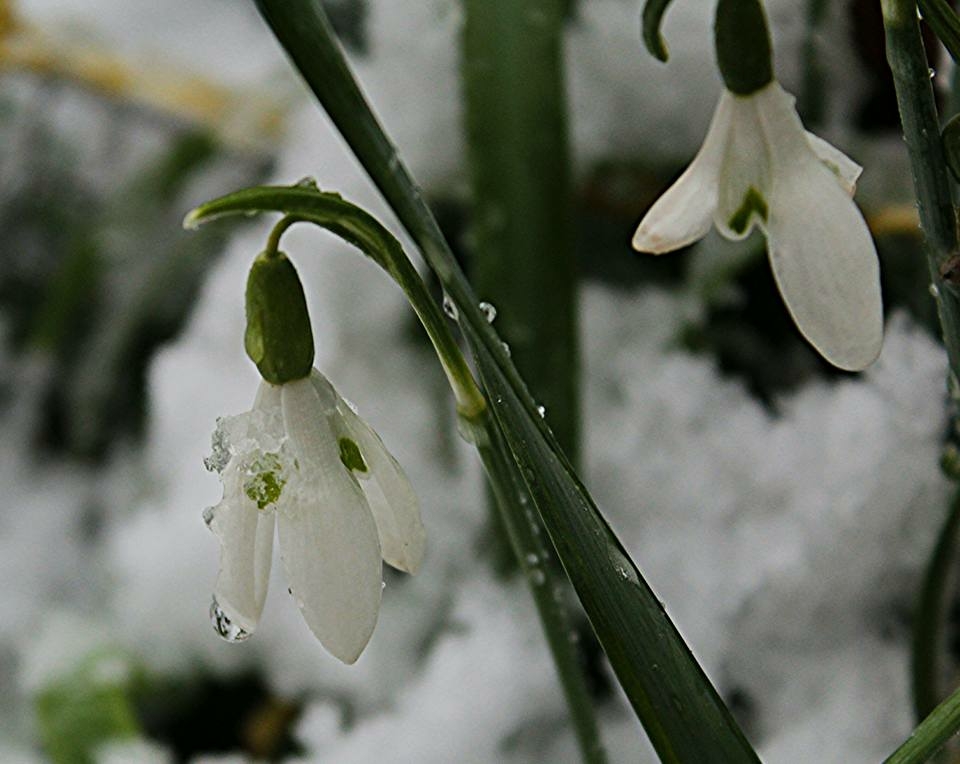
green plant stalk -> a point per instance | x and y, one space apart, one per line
678 706
524 260
930 614
536 558
812 99
357 227
942 724
943 20
921 130
523 526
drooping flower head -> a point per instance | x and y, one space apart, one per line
302 461
758 166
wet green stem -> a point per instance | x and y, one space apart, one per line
921 129
538 562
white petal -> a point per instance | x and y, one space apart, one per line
744 188
328 538
825 264
245 532
682 215
389 493
843 167
821 251
246 550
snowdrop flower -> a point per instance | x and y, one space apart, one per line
302 461
759 166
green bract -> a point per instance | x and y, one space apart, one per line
278 337
743 46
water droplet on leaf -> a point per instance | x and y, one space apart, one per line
489 312
450 308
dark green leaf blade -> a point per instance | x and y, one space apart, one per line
684 716
942 724
944 22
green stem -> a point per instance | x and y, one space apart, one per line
921 130
357 227
930 614
539 565
522 213
812 95
931 734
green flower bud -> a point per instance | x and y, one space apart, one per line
278 337
743 46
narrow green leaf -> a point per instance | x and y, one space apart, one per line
521 203
930 616
680 709
652 19
944 22
682 712
931 734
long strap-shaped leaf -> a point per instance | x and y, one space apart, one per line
680 709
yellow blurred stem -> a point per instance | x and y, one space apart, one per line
895 220
243 119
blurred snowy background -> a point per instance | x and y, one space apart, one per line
781 510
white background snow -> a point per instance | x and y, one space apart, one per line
786 549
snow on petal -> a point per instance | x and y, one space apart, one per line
328 538
682 215
843 167
245 533
390 495
246 550
825 264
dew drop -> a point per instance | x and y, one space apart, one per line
532 559
226 629
506 348
622 571
208 515
450 308
934 291
538 577
542 411
489 312
308 182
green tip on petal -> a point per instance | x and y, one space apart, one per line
350 455
278 337
753 204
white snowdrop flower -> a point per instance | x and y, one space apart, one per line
759 166
302 460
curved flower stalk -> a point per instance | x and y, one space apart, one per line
758 166
303 460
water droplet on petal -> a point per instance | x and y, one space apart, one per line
450 308
489 312
226 629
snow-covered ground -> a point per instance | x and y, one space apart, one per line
787 548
